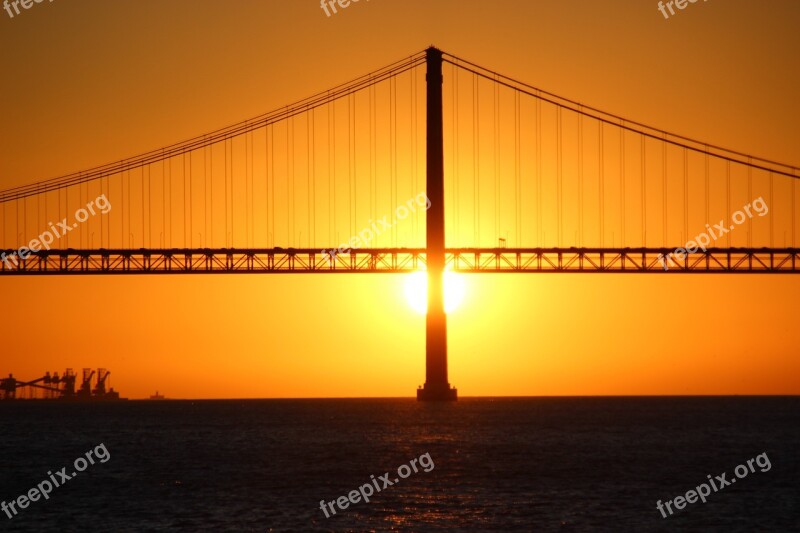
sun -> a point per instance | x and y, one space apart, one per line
416 291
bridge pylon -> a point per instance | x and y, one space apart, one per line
436 387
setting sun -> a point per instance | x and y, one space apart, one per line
416 291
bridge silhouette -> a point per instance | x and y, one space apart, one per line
533 182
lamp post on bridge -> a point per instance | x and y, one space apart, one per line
436 387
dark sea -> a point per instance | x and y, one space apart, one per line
507 464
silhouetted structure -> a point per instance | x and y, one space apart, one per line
436 387
53 387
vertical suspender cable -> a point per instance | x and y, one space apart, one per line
685 196
122 218
728 199
708 189
414 162
102 189
602 187
580 177
622 183
749 198
349 170
252 188
272 185
370 118
233 201
477 213
333 141
267 210
291 192
330 182
211 195
643 158
393 104
184 242
395 158
496 102
559 177
309 157
143 212
518 169
351 163
289 183
771 219
313 230
793 181
225 146
129 199
540 218
664 195
355 166
248 212
455 174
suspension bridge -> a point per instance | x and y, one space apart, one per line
533 182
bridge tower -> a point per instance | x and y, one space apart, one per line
436 387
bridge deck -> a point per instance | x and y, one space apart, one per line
397 260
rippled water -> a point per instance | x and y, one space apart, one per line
528 464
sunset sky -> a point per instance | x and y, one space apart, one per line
90 82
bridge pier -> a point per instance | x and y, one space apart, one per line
436 387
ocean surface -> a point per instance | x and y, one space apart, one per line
508 464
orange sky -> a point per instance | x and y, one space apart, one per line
91 82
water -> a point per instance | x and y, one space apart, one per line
526 464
